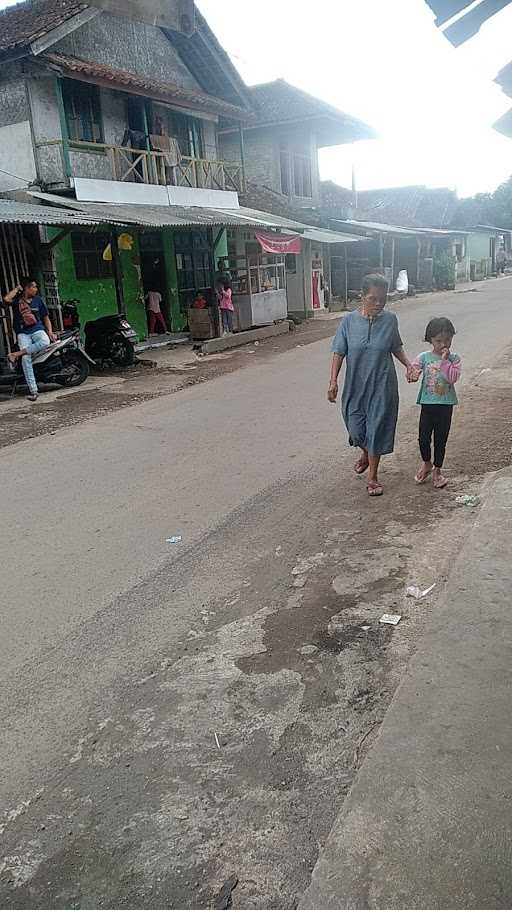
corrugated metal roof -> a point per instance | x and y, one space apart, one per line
156 216
14 212
377 227
298 226
165 215
319 235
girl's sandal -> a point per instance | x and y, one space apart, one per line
361 466
421 479
374 489
439 482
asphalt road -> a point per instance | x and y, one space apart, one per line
91 587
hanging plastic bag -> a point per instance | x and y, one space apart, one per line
402 282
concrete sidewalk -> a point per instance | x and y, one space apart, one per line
428 822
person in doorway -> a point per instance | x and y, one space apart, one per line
226 308
222 276
155 315
440 369
368 339
32 326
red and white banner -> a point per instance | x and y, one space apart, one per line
279 243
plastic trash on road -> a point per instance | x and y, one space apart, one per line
176 539
390 619
418 593
468 500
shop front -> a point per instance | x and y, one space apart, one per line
257 264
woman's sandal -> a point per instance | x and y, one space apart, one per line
419 480
374 488
439 482
361 466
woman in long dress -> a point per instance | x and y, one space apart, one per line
368 339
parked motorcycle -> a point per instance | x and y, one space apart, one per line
63 363
111 338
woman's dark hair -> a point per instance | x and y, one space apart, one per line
439 326
374 281
227 285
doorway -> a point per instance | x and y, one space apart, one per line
153 270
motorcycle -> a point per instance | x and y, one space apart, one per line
63 363
111 338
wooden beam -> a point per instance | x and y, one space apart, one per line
118 271
60 236
67 27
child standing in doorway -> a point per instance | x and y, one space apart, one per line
226 308
440 369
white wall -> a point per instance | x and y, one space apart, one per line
16 156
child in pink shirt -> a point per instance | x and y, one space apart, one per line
226 308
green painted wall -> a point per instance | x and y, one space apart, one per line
478 246
98 296
177 318
221 247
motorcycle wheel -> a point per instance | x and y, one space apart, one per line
121 352
75 370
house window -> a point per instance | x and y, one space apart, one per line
302 184
88 252
284 158
189 133
83 111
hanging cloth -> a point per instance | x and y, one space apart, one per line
279 243
168 145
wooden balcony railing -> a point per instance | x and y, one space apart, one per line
147 167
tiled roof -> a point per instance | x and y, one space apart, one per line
166 91
280 102
410 206
267 200
23 23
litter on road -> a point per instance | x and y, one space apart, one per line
176 539
468 500
217 741
418 593
390 619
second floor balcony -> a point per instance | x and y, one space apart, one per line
101 161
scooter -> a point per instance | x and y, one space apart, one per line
63 363
111 338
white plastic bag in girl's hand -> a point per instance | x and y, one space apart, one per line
402 282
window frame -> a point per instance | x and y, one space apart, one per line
90 253
82 111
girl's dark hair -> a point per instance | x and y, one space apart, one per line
26 281
227 286
439 326
374 281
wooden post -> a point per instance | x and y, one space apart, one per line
418 266
118 271
242 155
381 252
392 263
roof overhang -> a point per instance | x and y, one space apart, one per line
122 80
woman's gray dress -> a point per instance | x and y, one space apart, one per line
370 392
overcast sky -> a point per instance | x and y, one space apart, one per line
385 62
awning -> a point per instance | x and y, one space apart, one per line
158 216
279 243
14 212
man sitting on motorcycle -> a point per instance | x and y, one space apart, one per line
32 326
